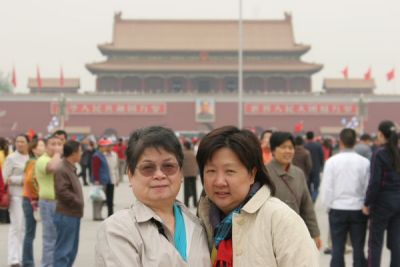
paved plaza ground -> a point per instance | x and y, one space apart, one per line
123 198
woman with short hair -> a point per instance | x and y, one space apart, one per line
157 230
290 182
245 224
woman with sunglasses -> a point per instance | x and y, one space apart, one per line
245 224
156 230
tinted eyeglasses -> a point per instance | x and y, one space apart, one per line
149 169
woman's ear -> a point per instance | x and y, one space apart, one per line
253 174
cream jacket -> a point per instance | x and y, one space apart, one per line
267 233
131 238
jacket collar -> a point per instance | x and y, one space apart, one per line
69 166
143 213
256 202
279 169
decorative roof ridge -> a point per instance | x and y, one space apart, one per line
118 19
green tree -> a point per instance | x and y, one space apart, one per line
5 85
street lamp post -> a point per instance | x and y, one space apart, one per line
240 69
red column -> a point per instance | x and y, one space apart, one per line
143 85
288 89
119 84
221 84
97 84
189 84
166 85
265 87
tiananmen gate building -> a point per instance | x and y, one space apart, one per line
183 74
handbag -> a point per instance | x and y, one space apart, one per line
5 198
97 193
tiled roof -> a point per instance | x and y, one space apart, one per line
202 35
349 84
72 83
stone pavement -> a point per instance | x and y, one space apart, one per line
123 198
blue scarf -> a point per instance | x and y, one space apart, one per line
223 228
180 232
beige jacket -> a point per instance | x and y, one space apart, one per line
130 238
266 233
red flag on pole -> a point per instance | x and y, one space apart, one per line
30 133
345 72
390 75
14 78
368 74
61 77
38 78
299 127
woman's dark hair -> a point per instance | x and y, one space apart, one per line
278 138
243 143
70 147
388 129
152 137
33 145
4 145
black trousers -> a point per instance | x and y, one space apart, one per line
83 173
190 190
4 216
384 215
313 183
342 223
110 199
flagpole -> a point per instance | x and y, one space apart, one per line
240 69
394 82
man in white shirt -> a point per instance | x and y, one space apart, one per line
113 166
345 181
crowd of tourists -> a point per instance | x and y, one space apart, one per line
256 207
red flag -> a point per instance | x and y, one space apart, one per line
368 74
38 78
61 77
299 127
30 133
390 75
345 72
14 78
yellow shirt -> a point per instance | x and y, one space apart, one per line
44 179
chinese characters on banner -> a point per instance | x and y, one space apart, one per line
300 109
101 108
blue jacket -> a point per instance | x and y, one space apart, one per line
100 173
384 178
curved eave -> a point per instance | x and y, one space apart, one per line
108 49
106 67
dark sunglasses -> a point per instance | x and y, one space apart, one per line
149 169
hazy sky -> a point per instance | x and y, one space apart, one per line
51 33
